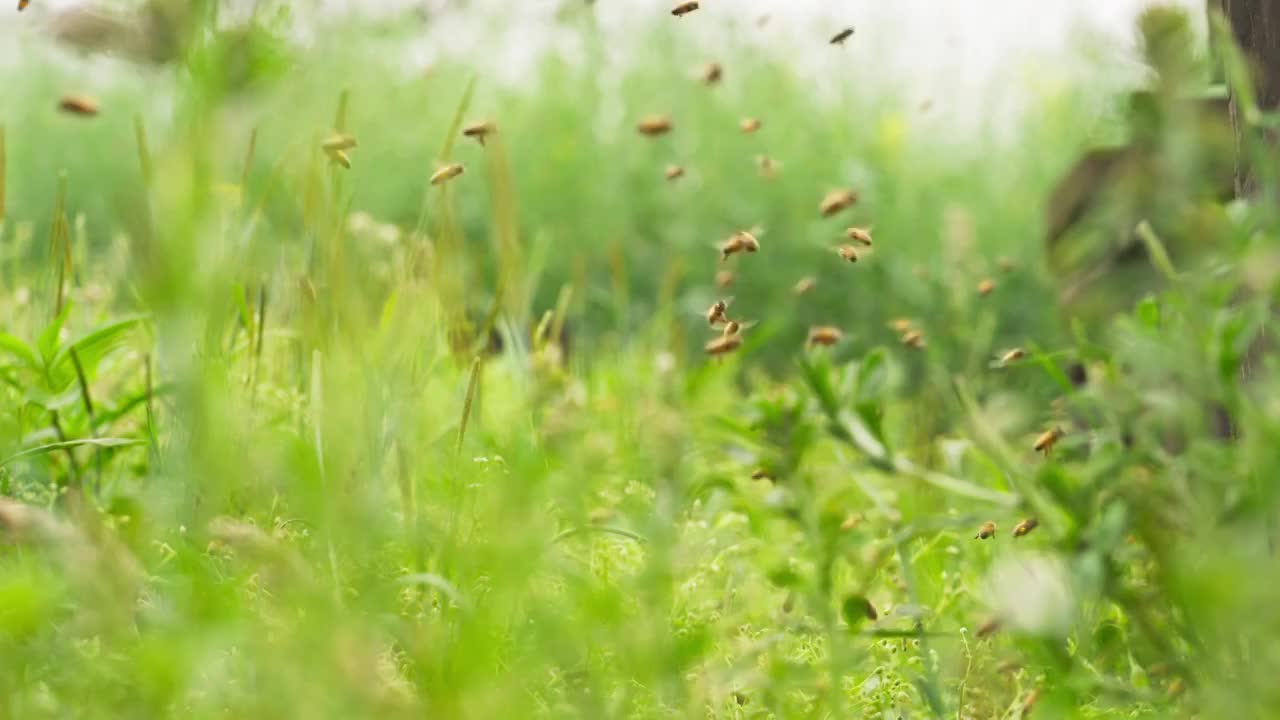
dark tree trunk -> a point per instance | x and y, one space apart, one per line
1256 26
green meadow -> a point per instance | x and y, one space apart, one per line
281 438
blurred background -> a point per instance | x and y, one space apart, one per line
355 360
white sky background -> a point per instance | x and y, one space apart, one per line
952 52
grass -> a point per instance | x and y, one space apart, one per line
254 461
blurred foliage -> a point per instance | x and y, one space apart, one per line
251 467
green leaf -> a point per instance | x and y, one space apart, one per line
47 342
873 376
21 351
51 447
1148 312
785 577
95 345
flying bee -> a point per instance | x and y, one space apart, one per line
985 287
900 325
1011 355
684 8
837 200
840 37
1030 702
22 4
741 241
339 141
446 173
715 313
712 73
859 235
1025 527
988 628
654 125
674 172
750 125
913 339
723 345
341 158
761 474
767 166
988 530
1006 265
733 327
81 105
804 285
1046 441
480 130
724 278
848 252
825 335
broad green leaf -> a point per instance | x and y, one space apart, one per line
19 350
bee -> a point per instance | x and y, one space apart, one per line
837 200
78 105
674 172
715 313
340 157
724 278
869 609
733 327
22 4
1006 265
825 335
480 130
723 345
761 474
684 8
1025 527
900 325
859 235
913 339
804 285
1030 702
446 173
988 628
1012 355
985 287
988 530
766 165
712 73
926 105
848 252
740 241
339 141
750 125
654 125
1046 441
840 37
